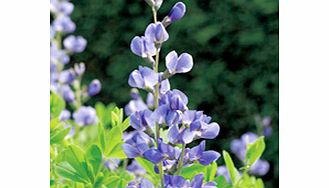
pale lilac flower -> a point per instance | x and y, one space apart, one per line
143 78
64 115
223 171
67 76
61 7
64 24
75 44
85 116
260 167
144 183
156 32
142 47
142 120
136 143
181 64
67 94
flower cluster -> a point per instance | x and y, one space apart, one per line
67 82
165 110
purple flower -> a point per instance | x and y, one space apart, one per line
136 168
67 93
135 106
64 115
181 64
164 86
144 183
175 99
199 154
171 181
260 167
61 7
165 116
142 120
75 44
94 88
143 78
112 164
57 55
199 126
223 171
164 151
52 32
177 11
156 32
136 143
142 47
85 116
64 24
67 76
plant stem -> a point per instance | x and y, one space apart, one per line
156 100
180 162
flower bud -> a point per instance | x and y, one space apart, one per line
67 94
177 11
75 44
94 88
156 4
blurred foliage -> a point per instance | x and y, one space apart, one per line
234 44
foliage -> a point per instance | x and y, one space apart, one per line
235 44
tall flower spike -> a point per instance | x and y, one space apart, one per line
181 64
156 32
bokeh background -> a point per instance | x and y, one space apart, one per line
234 44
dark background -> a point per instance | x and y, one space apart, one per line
234 44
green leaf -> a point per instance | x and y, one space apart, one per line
57 104
65 170
113 148
221 182
234 174
94 157
254 151
117 152
193 170
75 158
118 179
259 183
149 167
101 136
211 172
124 125
58 133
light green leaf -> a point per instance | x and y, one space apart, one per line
125 124
65 170
221 182
117 152
94 157
259 183
234 174
193 170
149 167
58 135
57 104
113 147
211 172
101 136
254 151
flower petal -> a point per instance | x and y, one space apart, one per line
208 157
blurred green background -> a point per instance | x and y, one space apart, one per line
234 44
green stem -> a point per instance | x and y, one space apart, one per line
156 101
180 162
